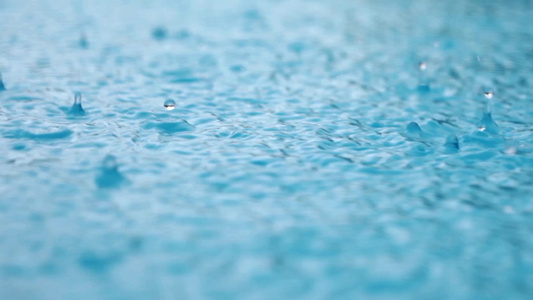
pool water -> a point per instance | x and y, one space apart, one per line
266 149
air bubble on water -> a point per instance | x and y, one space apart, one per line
76 108
2 86
169 104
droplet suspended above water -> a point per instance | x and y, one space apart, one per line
169 104
423 82
77 109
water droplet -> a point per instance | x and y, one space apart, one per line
237 68
508 209
110 177
452 143
159 33
414 131
83 42
169 104
77 98
413 127
511 150
110 163
2 86
423 82
488 94
77 109
423 88
486 123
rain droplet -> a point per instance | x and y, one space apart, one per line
159 33
423 82
237 69
110 177
2 86
423 88
414 131
77 98
83 42
77 109
452 143
511 150
486 123
508 209
169 104
110 163
489 94
413 127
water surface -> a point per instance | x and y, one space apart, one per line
314 150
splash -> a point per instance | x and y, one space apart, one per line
486 123
451 145
2 86
77 109
413 130
110 177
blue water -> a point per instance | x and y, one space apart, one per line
316 149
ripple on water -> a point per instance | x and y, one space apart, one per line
23 134
169 127
306 149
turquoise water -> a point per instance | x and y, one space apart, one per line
314 150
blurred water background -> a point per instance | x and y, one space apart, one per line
308 150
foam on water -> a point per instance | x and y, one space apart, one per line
312 149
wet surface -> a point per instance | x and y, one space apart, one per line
313 150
